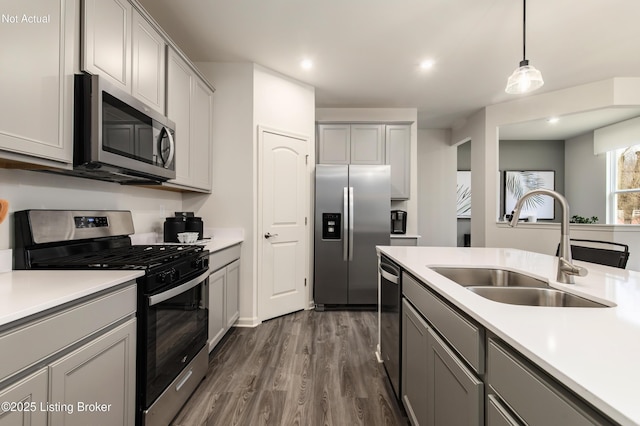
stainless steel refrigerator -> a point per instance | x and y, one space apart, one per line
352 216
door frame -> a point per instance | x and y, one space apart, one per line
261 129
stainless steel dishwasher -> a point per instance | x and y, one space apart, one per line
390 320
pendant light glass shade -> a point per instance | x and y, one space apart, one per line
524 79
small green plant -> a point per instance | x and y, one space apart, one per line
580 219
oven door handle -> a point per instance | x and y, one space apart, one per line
173 292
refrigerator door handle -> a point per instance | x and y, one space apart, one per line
351 213
345 224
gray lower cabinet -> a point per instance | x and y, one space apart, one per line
217 323
516 386
415 368
438 388
454 394
454 372
223 293
28 392
75 365
96 382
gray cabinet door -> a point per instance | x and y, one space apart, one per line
232 307
28 395
398 156
415 371
107 40
454 393
334 144
101 373
217 318
36 112
367 144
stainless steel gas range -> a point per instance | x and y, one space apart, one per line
172 316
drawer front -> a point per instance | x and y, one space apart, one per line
464 336
223 257
535 399
44 337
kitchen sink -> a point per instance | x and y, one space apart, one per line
493 277
531 296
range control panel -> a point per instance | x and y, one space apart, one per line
90 221
331 226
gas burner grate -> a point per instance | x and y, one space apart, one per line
130 257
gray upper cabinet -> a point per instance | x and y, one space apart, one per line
121 46
398 156
149 64
190 107
37 88
351 144
334 143
344 143
107 40
367 144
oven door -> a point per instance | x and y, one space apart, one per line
174 331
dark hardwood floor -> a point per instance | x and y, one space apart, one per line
307 368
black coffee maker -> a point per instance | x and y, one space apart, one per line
398 222
182 222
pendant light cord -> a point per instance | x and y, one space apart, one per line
524 30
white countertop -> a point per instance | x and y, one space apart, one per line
25 293
217 244
594 351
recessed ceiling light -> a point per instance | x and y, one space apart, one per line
306 64
426 64
552 120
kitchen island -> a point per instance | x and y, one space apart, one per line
593 352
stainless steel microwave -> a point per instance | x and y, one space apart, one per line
118 138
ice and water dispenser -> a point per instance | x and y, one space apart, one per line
331 226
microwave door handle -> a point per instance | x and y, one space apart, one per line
172 148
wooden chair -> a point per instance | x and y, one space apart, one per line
601 252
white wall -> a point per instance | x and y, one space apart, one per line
248 96
436 183
482 129
386 115
585 178
36 190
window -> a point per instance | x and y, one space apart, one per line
624 187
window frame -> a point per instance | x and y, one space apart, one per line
612 184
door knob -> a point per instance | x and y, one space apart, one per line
269 235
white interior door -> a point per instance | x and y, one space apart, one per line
283 215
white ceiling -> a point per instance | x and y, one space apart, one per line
366 52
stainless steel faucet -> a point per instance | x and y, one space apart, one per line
566 269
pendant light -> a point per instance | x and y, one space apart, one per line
526 78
